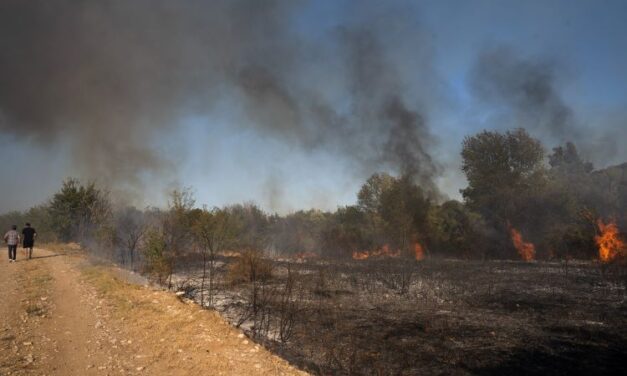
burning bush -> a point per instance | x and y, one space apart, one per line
526 250
611 246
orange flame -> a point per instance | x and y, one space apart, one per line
419 252
610 245
526 250
379 253
360 255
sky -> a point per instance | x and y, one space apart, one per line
293 104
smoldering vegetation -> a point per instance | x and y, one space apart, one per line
392 316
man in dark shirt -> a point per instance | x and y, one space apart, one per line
29 235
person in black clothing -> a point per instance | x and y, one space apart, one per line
29 235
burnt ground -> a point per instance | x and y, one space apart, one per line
401 317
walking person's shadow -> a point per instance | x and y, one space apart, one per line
41 257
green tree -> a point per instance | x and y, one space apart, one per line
395 210
157 259
369 196
298 232
456 231
177 222
253 226
348 230
567 232
566 160
39 217
404 210
499 169
77 210
176 227
506 184
11 218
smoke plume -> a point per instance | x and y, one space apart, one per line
107 78
524 92
526 89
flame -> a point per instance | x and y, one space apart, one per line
526 250
360 255
610 245
379 253
419 252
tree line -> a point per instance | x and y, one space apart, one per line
553 199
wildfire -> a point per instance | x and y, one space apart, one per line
361 255
419 252
526 250
379 253
609 243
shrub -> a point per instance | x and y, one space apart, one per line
157 265
250 267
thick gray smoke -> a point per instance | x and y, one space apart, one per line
108 77
401 132
105 77
526 89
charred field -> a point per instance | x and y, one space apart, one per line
438 316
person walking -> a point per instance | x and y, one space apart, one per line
12 238
29 234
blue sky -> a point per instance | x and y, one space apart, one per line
433 48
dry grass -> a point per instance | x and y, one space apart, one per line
178 337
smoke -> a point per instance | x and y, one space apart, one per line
401 134
362 111
524 92
101 77
525 89
108 78
404 145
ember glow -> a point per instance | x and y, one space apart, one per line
526 250
610 245
383 252
361 255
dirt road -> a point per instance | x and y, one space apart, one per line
61 316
